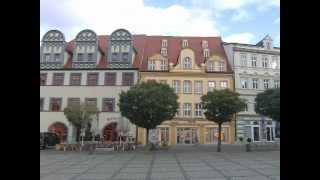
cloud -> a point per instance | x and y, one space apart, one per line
241 15
245 38
105 16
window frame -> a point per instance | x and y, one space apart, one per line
106 74
71 82
72 98
89 80
224 81
222 67
187 64
213 88
186 110
184 87
54 80
50 104
151 65
112 100
268 83
253 83
200 87
123 79
45 79
198 110
177 89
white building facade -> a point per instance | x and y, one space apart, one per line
91 69
256 68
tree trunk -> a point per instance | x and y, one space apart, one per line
219 138
147 137
77 134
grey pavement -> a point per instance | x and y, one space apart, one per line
169 165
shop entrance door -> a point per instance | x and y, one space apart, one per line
187 136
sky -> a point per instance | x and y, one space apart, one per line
242 21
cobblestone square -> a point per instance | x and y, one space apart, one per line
188 165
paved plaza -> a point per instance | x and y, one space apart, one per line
167 165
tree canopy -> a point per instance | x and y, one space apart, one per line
268 103
221 105
148 104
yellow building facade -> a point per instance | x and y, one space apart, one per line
190 78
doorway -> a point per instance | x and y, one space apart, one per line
110 132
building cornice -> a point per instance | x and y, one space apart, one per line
256 51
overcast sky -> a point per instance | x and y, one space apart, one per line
244 21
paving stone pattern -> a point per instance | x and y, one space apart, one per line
160 165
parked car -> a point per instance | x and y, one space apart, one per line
48 139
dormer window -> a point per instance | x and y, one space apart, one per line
164 43
164 51
206 53
204 44
90 57
56 57
47 57
210 66
163 65
187 64
184 43
80 57
125 56
268 45
221 66
151 65
115 56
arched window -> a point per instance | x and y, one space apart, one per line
120 49
52 50
86 51
187 64
210 66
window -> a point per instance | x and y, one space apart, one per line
163 65
243 60
90 57
125 56
204 44
43 79
56 57
210 67
80 57
223 84
274 63
92 79
41 104
256 134
255 83
246 108
187 87
244 83
115 56
164 51
127 79
205 52
253 61
164 43
268 45
47 57
198 87
92 102
163 81
211 85
73 102
187 109
108 104
110 79
176 86
266 83
55 104
276 83
198 110
221 66
58 79
265 62
75 79
151 65
184 43
187 64
178 110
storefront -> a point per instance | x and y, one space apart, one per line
258 132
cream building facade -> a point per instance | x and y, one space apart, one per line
256 68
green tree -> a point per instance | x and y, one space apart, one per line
220 106
80 116
268 103
148 104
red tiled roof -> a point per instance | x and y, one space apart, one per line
147 46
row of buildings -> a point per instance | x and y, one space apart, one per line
95 69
